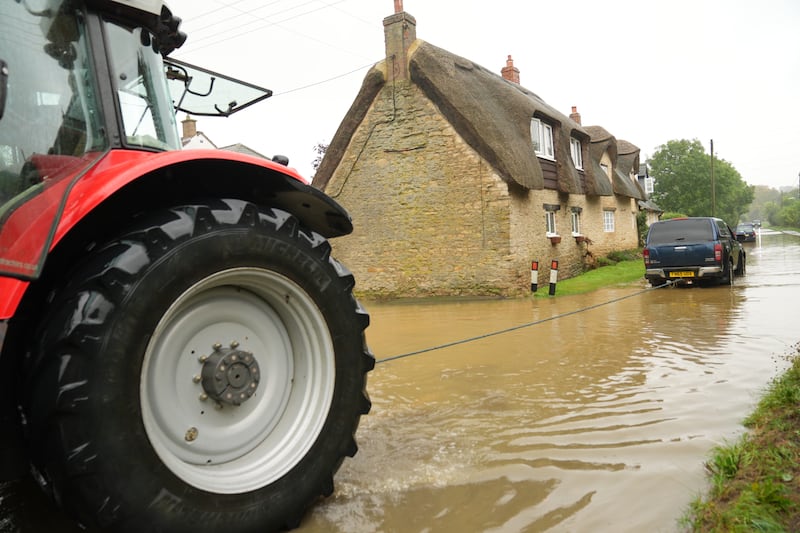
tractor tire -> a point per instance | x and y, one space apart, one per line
204 372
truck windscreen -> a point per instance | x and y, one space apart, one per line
680 230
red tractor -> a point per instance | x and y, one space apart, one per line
179 350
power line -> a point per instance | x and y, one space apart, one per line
267 24
324 81
216 22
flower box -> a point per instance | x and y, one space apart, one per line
555 239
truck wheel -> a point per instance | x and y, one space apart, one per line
727 274
741 268
204 372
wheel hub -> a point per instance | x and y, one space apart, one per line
230 375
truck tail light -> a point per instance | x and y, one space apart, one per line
717 252
646 255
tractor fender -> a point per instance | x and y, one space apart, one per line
125 183
186 173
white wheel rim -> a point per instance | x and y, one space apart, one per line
238 448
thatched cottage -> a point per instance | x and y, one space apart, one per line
458 178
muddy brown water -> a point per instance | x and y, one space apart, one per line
599 419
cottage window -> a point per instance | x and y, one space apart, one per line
608 221
542 138
649 185
550 220
575 151
576 222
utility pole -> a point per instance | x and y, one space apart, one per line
713 189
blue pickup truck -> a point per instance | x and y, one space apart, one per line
692 250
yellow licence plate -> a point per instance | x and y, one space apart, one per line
681 274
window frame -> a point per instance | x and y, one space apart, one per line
576 151
608 221
575 219
542 139
551 229
649 185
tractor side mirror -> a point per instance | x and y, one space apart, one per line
3 86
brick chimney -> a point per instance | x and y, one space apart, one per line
400 30
510 72
575 115
189 127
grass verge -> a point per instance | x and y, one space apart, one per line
627 270
755 482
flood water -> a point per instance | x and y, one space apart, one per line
599 420
596 414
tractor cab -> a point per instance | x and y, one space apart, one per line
78 79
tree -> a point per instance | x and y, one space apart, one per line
682 172
788 214
764 197
320 150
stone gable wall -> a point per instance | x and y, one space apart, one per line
430 216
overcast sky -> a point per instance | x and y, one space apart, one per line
646 71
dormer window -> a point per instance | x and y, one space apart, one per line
542 138
576 153
649 185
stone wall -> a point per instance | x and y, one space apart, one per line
430 216
573 255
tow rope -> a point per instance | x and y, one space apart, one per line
520 326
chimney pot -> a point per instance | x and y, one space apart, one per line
400 32
575 116
189 127
510 72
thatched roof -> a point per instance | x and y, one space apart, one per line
627 163
493 116
370 87
626 156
